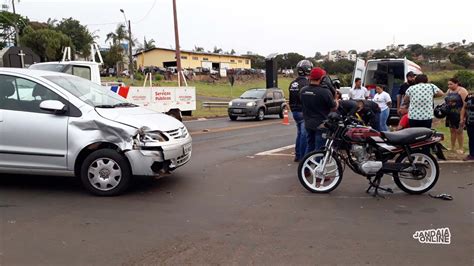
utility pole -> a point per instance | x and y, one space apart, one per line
178 49
15 24
130 57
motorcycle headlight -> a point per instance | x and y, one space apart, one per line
250 104
230 104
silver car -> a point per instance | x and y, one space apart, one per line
58 124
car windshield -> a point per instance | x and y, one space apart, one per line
89 92
253 94
48 67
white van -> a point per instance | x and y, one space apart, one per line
389 72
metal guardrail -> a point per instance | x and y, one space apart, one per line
215 104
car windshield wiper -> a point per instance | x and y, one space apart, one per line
105 106
125 105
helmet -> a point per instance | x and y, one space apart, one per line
441 111
336 83
304 67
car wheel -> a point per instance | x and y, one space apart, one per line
260 114
282 112
105 173
233 117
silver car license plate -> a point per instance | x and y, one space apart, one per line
237 111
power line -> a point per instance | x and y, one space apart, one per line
146 15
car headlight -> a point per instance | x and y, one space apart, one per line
151 136
230 104
250 104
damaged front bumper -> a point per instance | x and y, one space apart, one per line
159 160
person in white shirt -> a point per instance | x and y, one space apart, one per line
358 92
384 101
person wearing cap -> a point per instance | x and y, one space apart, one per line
404 87
317 102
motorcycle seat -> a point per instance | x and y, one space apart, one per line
408 136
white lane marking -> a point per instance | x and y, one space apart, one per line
275 151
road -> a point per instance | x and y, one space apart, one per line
231 206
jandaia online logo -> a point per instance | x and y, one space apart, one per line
434 236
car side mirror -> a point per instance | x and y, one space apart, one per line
53 106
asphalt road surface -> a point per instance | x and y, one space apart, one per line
231 206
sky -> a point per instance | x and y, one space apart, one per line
265 27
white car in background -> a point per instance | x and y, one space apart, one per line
57 124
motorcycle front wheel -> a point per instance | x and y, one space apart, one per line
319 173
427 178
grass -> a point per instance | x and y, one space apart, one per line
439 126
220 89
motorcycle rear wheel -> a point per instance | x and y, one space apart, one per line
316 181
431 175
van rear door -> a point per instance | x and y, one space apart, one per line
359 71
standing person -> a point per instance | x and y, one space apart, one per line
359 92
404 87
455 100
384 101
420 98
467 119
303 69
317 102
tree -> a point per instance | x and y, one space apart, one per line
113 56
118 35
47 43
342 66
416 49
199 49
464 41
149 44
460 57
79 34
258 61
232 52
8 21
318 56
289 60
217 50
381 54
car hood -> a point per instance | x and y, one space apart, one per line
139 117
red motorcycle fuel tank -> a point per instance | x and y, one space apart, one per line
361 134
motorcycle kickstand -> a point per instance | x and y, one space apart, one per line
376 184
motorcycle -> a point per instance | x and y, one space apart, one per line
405 155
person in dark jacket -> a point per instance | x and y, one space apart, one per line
369 111
348 107
467 120
317 102
303 69
404 87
